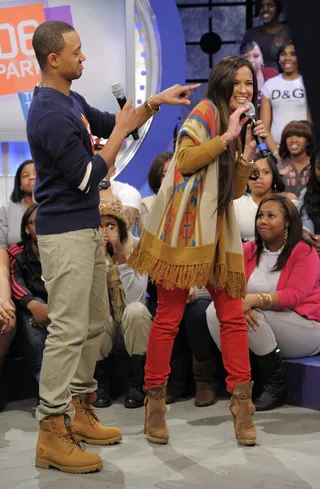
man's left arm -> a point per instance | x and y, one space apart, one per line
175 95
102 123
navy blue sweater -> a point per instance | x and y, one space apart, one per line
59 134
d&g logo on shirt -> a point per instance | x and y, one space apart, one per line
297 93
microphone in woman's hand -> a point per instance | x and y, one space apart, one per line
251 113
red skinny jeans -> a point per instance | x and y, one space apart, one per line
233 331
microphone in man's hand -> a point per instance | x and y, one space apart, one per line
251 113
118 92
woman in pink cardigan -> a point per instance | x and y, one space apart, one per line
282 306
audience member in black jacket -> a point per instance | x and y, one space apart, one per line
29 292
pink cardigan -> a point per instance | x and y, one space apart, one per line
298 286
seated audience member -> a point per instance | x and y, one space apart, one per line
129 196
10 220
7 314
20 199
29 292
309 204
268 183
156 174
251 50
283 98
272 33
130 320
282 306
296 146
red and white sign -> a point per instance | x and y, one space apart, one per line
19 69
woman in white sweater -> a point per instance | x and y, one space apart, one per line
270 181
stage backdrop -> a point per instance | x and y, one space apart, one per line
139 43
102 26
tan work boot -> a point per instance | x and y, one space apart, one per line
58 448
86 425
155 426
242 410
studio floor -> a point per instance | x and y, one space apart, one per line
202 452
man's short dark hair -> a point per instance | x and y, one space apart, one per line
48 38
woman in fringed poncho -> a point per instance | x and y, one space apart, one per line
192 239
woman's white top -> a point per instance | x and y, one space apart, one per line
262 279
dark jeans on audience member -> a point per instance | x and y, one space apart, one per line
33 338
194 336
199 338
193 332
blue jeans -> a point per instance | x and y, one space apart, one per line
34 339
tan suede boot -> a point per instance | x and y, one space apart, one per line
155 426
58 448
243 417
204 374
87 427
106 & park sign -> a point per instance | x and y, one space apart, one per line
19 69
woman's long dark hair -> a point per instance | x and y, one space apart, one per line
155 170
25 237
220 90
311 202
17 193
292 216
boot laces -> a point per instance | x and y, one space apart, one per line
91 413
68 439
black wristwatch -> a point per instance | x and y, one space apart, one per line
104 185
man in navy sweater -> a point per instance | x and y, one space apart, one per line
70 242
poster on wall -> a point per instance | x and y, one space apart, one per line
101 25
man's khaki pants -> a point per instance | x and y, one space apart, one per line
74 270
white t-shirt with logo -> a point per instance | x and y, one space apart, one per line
288 101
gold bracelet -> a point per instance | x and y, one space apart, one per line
261 300
150 109
268 301
225 142
248 162
265 301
